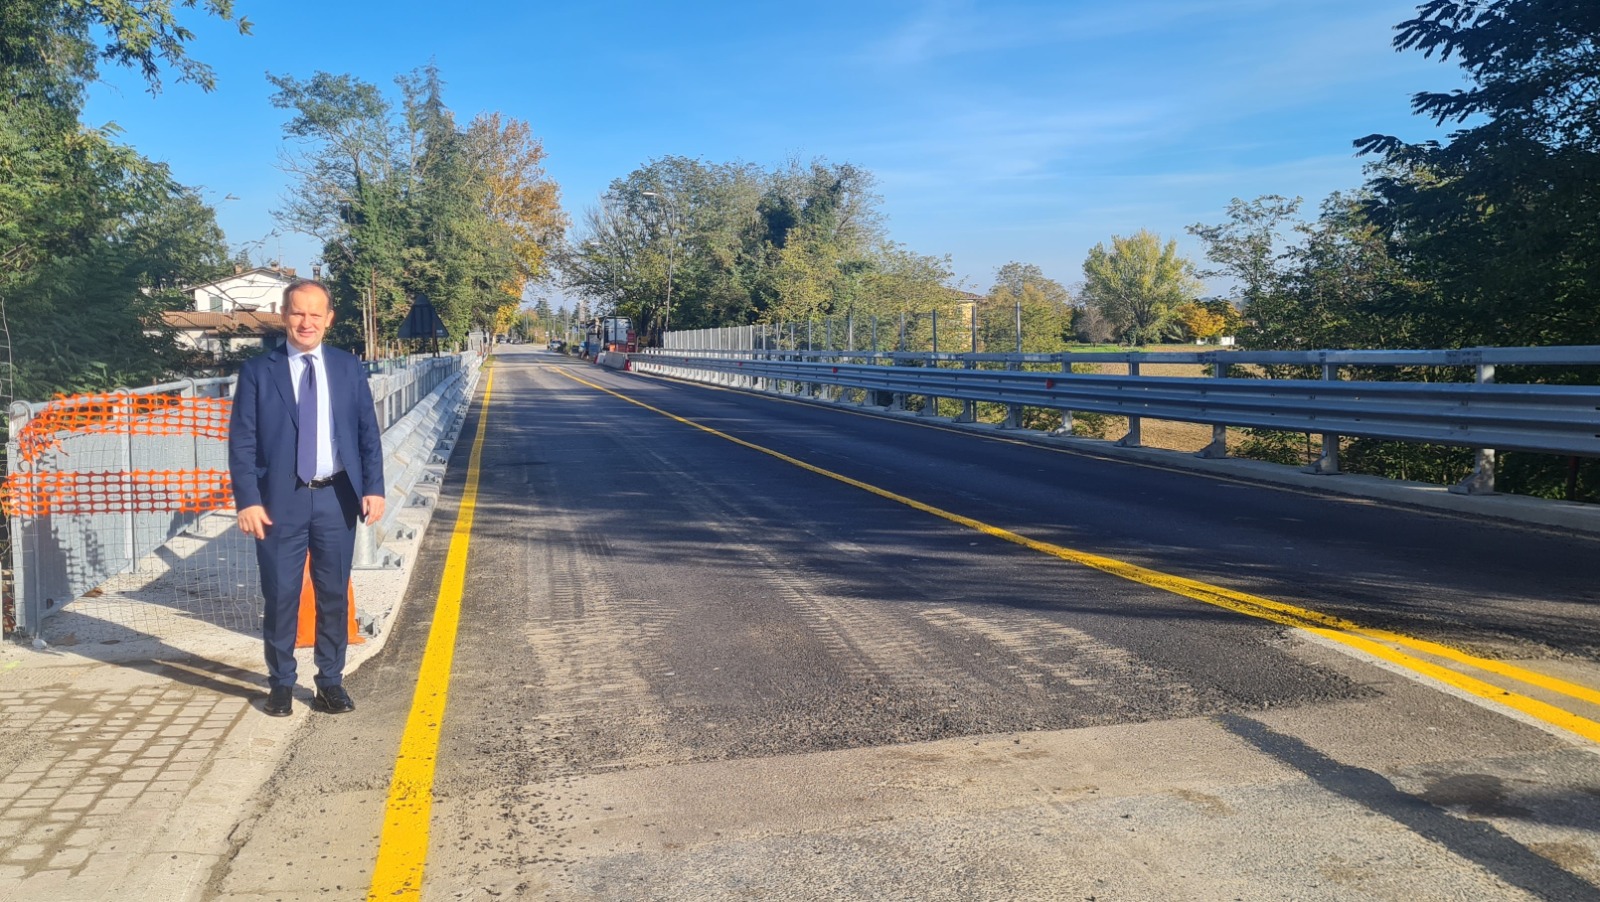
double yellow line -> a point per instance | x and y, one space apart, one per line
1404 651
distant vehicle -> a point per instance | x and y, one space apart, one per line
557 344
611 333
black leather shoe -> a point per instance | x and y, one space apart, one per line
280 701
334 700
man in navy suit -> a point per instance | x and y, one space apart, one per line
306 459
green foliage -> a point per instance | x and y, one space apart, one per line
1248 247
1437 464
1547 476
407 203
1489 238
1339 286
738 245
1504 218
1295 449
93 237
1092 425
1137 285
1043 306
58 36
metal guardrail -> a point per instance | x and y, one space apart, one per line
1543 418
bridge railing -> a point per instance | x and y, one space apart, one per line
1480 414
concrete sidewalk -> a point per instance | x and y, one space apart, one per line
125 763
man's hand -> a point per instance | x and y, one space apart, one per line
253 521
371 508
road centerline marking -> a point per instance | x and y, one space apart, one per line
403 844
1373 642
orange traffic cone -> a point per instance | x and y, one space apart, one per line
305 634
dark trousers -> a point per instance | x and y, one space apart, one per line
322 522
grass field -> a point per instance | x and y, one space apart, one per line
1168 434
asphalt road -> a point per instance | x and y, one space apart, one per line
688 670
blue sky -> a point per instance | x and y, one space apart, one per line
998 130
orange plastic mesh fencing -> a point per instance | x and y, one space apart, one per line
38 494
122 414
136 491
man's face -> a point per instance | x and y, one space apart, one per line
306 318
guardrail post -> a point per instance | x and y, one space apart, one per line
812 388
1328 463
794 354
1481 480
1066 415
1013 418
1219 433
930 404
969 409
899 400
1131 440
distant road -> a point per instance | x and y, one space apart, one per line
825 668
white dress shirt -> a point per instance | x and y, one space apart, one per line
328 462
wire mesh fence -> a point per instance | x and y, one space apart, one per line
963 326
120 509
99 484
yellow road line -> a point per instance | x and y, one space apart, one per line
1336 629
403 845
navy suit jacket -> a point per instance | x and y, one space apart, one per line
264 429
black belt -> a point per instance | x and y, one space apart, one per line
320 483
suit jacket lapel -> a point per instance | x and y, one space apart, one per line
279 366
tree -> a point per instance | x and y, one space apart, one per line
39 35
459 257
1090 326
675 214
1504 217
1044 305
1137 283
407 203
93 236
1200 322
802 242
1248 248
895 281
353 176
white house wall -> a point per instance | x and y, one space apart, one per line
257 290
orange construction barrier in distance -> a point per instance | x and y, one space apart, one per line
305 634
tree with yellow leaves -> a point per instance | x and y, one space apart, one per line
521 198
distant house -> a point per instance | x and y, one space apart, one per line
238 313
258 290
217 334
965 302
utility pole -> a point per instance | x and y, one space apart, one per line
369 316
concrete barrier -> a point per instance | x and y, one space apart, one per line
409 446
